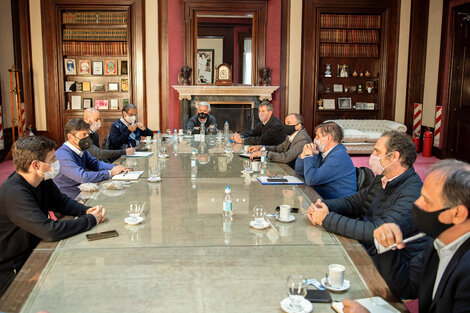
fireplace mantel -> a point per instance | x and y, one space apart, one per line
262 92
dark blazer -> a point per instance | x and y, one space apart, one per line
120 136
103 154
287 152
269 134
194 122
417 277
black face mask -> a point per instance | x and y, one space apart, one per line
85 143
202 116
428 222
289 129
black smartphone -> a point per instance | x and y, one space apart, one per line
102 235
292 210
318 296
277 180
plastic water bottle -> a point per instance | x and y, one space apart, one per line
263 157
227 228
226 130
228 202
175 134
202 131
193 159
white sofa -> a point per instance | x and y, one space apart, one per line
360 136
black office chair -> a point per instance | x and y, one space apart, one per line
365 177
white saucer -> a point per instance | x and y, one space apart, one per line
133 220
290 219
259 226
247 172
307 306
154 180
163 156
346 285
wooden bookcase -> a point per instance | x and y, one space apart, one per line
357 41
99 47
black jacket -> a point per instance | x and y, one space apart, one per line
358 215
417 277
103 154
194 122
24 218
269 134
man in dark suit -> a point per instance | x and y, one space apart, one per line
440 275
91 116
268 132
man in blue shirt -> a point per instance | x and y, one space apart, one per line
126 131
326 165
77 166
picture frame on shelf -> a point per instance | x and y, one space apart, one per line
369 106
76 102
84 67
110 67
97 67
101 104
114 104
113 86
343 70
86 86
70 86
360 105
79 86
369 86
205 66
124 102
70 67
87 103
329 104
98 87
123 67
337 88
124 84
344 103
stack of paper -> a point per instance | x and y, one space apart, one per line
131 175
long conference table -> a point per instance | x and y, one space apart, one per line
184 257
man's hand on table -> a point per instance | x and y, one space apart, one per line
351 306
98 212
236 138
317 212
254 148
389 234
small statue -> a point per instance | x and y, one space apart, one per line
360 88
361 74
265 74
327 89
328 70
183 77
320 104
354 74
367 74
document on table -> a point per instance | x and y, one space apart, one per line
139 154
130 175
247 155
373 304
281 180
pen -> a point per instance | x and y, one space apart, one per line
381 249
125 173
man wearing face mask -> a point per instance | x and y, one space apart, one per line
203 117
439 275
77 166
269 131
126 131
26 197
326 165
91 116
287 151
387 200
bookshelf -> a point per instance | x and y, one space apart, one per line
95 61
349 65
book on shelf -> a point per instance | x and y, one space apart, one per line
87 17
349 21
349 50
94 48
76 102
95 34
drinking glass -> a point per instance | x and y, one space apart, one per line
259 213
296 290
247 165
163 149
168 132
135 209
154 173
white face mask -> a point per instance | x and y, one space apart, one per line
95 126
53 173
130 119
320 146
375 164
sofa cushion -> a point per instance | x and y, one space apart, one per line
372 136
354 135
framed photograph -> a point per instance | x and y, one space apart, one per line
125 101
86 86
124 84
369 86
114 104
205 66
78 86
101 104
70 86
98 87
84 67
344 103
76 102
369 106
113 86
97 67
110 67
87 102
343 70
123 67
337 88
328 104
360 105
69 67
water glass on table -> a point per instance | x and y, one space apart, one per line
247 165
259 214
296 290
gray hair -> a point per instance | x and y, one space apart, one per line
456 188
267 104
298 117
89 112
127 107
205 104
401 142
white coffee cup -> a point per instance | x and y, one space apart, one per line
336 275
180 131
284 212
255 166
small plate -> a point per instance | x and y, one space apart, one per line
290 219
286 306
346 285
163 156
133 220
154 180
247 172
259 226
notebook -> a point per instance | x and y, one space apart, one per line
373 304
139 154
131 175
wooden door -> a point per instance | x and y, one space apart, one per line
458 108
